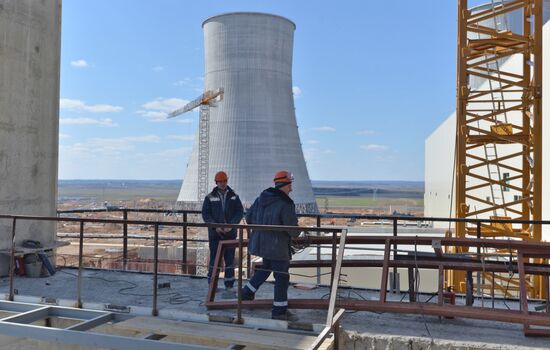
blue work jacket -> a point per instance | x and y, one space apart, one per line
272 207
230 212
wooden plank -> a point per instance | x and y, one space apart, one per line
336 278
203 333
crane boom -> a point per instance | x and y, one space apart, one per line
207 98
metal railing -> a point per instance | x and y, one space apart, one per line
83 221
241 229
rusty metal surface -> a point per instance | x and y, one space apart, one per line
518 249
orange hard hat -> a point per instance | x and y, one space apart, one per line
220 176
283 176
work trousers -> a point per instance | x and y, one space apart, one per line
282 278
228 256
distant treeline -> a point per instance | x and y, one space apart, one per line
387 189
364 192
120 183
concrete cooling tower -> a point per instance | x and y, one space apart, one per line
29 115
252 131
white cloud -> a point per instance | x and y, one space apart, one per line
185 121
312 142
78 105
64 136
154 116
165 104
296 91
324 129
158 109
374 147
88 121
106 146
195 83
181 137
365 132
79 64
158 68
315 155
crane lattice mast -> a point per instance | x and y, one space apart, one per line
505 114
208 99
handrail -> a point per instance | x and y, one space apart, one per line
170 223
327 216
537 249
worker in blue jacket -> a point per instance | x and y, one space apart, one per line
273 207
222 206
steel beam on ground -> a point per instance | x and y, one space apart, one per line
91 323
91 339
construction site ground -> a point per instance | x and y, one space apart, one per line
186 296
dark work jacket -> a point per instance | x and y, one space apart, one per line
213 212
272 207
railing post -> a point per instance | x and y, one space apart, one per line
125 240
184 265
80 260
469 288
394 282
155 272
478 234
336 332
12 259
318 234
248 258
240 282
333 264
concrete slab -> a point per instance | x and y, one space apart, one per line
185 299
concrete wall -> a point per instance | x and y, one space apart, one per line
440 148
30 32
253 131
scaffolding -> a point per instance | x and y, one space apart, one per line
498 165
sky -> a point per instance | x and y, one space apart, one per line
371 81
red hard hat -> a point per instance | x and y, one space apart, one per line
283 176
220 176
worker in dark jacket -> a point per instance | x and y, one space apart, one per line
222 206
273 207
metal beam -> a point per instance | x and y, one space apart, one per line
29 316
92 323
91 339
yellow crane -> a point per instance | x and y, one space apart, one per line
498 165
206 100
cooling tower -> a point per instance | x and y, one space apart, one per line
253 131
29 113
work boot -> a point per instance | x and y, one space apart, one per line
287 316
246 295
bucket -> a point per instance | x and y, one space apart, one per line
33 265
33 269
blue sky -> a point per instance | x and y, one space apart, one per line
372 80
